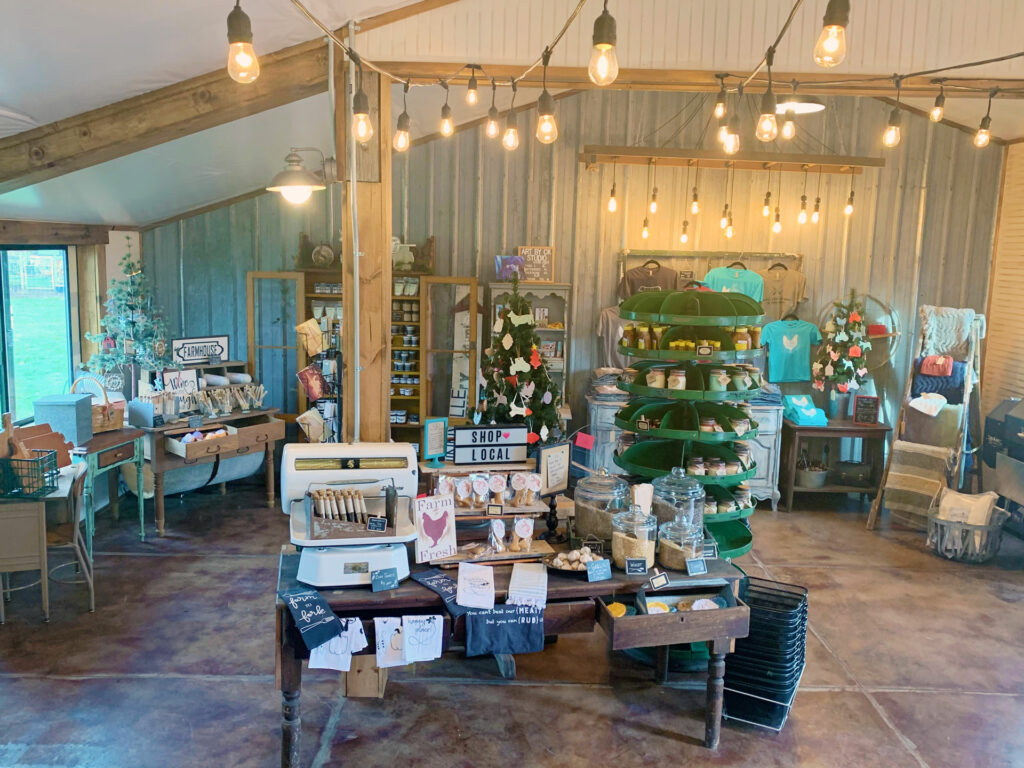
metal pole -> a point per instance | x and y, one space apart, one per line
353 206
332 100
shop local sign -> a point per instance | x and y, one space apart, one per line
496 444
198 349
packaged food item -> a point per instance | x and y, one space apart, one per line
643 337
463 492
677 378
715 467
718 380
741 340
575 560
533 484
481 484
628 336
710 507
656 378
496 536
708 424
741 493
498 483
740 426
522 535
519 490
733 467
755 337
695 466
657 331
726 505
742 452
445 485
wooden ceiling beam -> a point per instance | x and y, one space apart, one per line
175 111
743 161
52 233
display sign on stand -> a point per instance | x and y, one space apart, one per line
865 409
435 441
553 466
435 527
495 444
538 265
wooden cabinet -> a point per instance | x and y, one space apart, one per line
765 450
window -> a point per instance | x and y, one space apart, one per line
35 337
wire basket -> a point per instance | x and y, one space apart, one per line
29 478
964 542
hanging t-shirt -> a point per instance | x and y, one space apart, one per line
731 280
789 349
644 278
784 289
609 328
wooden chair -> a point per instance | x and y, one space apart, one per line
63 536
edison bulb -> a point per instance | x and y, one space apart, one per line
362 127
729 232
830 50
936 113
849 207
723 133
604 65
982 137
547 129
493 128
401 141
653 207
695 205
612 205
816 213
684 238
767 127
802 216
731 145
645 233
766 209
777 226
510 140
472 95
296 195
243 66
724 221
789 125
892 136
719 109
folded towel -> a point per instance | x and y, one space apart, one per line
937 365
930 403
951 386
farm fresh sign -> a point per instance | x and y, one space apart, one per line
495 444
199 349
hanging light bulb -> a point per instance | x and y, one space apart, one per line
493 127
939 109
766 209
767 123
604 65
731 145
472 94
362 126
789 125
510 138
720 100
816 213
400 141
723 130
984 134
447 124
848 210
830 50
695 203
684 237
802 216
243 66
777 224
612 205
729 231
892 135
645 232
724 221
547 128
653 207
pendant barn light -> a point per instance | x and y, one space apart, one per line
984 134
799 105
695 200
493 127
721 99
296 183
362 126
767 124
892 135
243 66
830 50
939 108
547 128
447 124
604 64
472 93
510 139
645 232
401 139
789 125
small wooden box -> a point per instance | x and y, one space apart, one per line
201 448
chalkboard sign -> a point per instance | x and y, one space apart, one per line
659 581
599 570
865 409
636 566
386 578
194 422
379 524
314 618
696 566
538 264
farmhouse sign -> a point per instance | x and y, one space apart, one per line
199 349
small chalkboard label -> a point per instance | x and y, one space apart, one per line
636 566
659 581
194 422
705 350
696 566
865 409
495 509
379 524
710 549
599 570
386 578
158 420
213 360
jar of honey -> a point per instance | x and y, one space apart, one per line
741 339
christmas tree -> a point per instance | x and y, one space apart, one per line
133 332
841 358
518 388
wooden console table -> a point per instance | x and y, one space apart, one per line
873 437
105 453
256 430
573 606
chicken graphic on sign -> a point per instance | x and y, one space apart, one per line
435 527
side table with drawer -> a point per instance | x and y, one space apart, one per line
105 453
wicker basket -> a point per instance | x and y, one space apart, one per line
964 542
105 417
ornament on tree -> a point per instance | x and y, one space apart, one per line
532 437
846 342
506 341
109 343
528 389
535 358
519 365
523 319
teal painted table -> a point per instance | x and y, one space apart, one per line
107 452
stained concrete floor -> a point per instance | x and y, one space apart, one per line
912 661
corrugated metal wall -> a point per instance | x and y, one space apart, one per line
921 233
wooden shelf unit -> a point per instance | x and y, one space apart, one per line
405 306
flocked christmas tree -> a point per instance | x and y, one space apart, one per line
841 358
518 388
133 331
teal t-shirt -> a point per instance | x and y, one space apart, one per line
789 349
744 281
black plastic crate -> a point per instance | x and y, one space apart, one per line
29 478
765 710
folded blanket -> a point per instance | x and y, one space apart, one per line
951 387
937 365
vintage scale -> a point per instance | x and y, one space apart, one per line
343 552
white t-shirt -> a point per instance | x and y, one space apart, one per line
609 328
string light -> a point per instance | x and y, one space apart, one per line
732 142
653 207
645 232
830 50
789 126
547 128
801 217
766 209
848 210
493 127
939 108
984 134
893 135
684 237
767 124
613 206
604 65
816 213
777 225
243 66
362 126
472 95
510 139
723 130
401 138
721 99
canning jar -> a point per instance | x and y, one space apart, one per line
677 378
633 535
677 543
655 377
755 337
598 498
718 380
678 497
741 339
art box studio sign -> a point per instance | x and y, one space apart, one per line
490 445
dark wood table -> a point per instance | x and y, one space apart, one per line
574 606
873 453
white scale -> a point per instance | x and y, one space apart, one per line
338 553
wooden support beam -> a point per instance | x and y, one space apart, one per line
52 233
743 161
172 112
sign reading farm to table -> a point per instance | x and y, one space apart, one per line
495 444
538 263
199 349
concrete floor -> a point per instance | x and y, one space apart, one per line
912 661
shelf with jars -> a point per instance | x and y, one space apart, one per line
707 422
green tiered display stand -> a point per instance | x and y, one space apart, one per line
677 413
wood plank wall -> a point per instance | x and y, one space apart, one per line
921 233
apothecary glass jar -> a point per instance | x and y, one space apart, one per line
679 542
677 496
598 498
633 536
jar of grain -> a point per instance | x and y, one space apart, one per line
597 499
633 535
677 543
678 497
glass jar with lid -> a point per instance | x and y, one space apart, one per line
678 497
677 543
598 498
633 536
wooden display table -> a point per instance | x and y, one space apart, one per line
574 606
873 437
256 430
105 453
